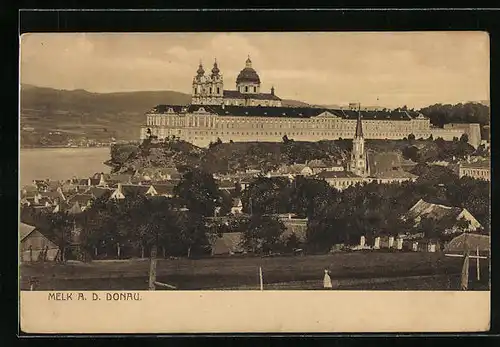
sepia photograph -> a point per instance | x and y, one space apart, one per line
291 161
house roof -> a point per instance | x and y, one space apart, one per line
228 242
430 210
237 202
25 230
469 241
97 192
53 185
480 164
75 208
164 189
82 199
225 184
51 195
316 163
295 168
159 170
30 188
394 174
337 174
94 181
118 178
132 189
382 162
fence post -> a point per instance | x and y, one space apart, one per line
152 269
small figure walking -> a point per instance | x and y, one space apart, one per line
327 281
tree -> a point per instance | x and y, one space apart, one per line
429 227
59 229
198 191
292 242
267 196
285 139
464 138
263 234
411 137
411 152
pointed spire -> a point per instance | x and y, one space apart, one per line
359 125
248 63
272 90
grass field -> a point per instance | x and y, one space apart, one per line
353 271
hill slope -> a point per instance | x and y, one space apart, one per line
100 116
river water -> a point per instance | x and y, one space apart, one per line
61 163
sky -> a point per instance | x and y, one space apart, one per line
386 68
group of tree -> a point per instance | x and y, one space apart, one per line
369 209
470 112
440 149
178 225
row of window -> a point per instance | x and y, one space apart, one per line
198 90
477 172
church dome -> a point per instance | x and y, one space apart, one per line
248 74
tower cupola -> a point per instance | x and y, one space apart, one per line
200 70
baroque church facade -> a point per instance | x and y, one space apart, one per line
247 114
209 89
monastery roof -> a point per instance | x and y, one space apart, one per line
279 112
234 94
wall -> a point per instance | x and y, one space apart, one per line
201 128
473 131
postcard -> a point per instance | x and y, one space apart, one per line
254 182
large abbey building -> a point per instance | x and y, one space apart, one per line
246 114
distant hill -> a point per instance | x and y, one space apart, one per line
294 103
79 113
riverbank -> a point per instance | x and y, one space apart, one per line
61 163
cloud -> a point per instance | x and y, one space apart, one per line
315 67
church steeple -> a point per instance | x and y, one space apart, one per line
358 164
359 125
